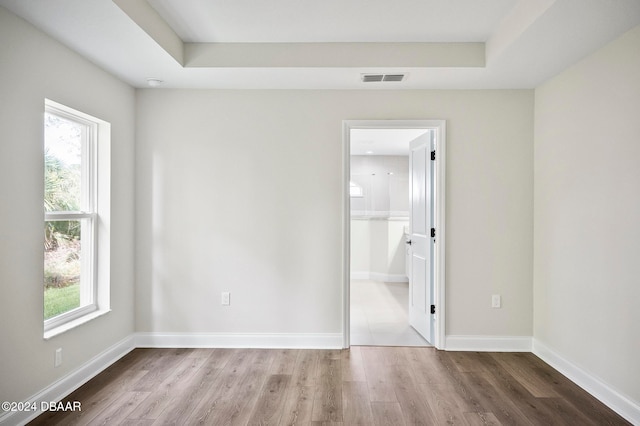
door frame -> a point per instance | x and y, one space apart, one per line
439 126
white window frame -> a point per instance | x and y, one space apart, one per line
355 190
95 166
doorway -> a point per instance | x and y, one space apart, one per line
377 262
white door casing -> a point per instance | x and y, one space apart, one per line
438 129
420 217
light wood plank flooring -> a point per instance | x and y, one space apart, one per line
361 386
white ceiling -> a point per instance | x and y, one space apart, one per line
291 21
519 43
383 141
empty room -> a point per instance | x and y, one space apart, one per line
199 226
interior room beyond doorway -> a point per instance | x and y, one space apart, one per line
379 205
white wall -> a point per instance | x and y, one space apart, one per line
241 191
32 67
378 249
385 183
377 241
587 214
360 246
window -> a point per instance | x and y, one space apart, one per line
72 217
355 190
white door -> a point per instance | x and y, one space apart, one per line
420 215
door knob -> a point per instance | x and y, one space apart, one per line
408 242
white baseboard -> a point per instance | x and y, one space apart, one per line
389 278
618 402
240 340
488 343
359 275
72 381
376 276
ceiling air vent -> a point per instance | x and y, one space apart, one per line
393 77
369 78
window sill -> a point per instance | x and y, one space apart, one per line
74 323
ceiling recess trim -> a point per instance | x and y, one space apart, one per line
335 55
150 21
301 55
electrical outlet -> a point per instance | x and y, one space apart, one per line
57 359
496 301
225 298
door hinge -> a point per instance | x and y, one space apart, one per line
433 309
433 155
433 232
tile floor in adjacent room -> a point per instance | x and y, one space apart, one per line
379 315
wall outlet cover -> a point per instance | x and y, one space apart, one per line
57 360
496 301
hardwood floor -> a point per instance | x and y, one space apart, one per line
360 386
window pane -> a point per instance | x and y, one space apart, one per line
62 267
62 161
355 190
70 283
